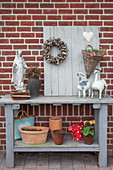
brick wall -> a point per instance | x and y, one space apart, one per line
22 23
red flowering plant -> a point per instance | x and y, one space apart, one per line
97 52
33 71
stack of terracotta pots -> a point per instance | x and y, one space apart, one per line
57 133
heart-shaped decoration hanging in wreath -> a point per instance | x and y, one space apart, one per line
62 48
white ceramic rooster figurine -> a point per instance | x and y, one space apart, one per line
83 85
98 85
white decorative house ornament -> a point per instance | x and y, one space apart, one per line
83 86
18 72
98 85
88 36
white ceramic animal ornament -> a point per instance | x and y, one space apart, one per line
98 85
83 86
88 36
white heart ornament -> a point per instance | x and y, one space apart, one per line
88 35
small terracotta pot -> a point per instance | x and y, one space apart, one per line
34 137
88 139
59 136
55 123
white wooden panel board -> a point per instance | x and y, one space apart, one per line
62 80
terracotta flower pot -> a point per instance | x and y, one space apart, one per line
88 139
55 123
34 137
59 136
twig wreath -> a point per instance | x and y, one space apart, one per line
62 47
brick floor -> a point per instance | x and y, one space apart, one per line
55 161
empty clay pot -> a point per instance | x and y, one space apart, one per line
59 136
55 123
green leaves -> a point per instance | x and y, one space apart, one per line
86 130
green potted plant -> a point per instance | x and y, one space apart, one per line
88 131
34 84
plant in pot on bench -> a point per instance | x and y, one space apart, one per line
88 131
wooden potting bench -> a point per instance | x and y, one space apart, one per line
100 143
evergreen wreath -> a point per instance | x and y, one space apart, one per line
62 47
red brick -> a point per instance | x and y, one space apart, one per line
80 11
7 64
5 11
20 0
2 136
24 17
39 34
27 34
20 46
43 119
58 17
80 17
35 11
42 110
1 34
80 23
34 0
8 29
5 46
65 5
88 0
57 0
37 29
70 109
8 52
76 5
93 11
30 5
50 11
31 41
4 75
108 11
19 11
106 5
87 109
5 0
108 23
92 17
27 23
26 52
69 17
8 17
24 29
82 109
40 58
38 23
35 46
2 58
108 70
103 64
39 17
106 17
106 41
12 34
1 23
9 5
95 23
29 58
94 5
19 5
64 109
73 0
46 5
47 23
12 23
17 41
5 81
106 29
4 41
65 23
75 110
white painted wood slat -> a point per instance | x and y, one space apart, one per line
61 80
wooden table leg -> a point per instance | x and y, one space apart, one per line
103 135
9 136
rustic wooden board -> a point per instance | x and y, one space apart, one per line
62 80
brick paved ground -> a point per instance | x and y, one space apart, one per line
55 161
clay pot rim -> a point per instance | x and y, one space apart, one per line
44 130
59 131
55 118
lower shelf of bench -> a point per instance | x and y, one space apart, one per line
68 145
